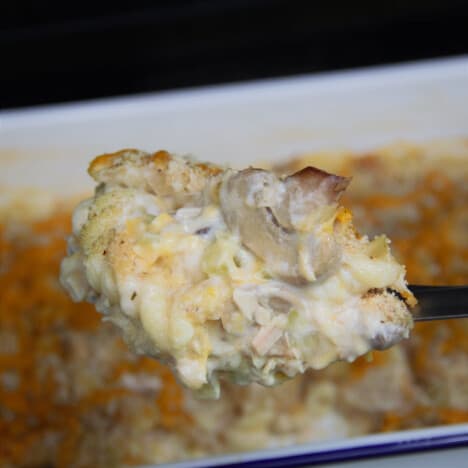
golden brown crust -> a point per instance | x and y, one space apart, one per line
159 159
107 160
209 169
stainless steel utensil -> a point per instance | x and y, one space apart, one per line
440 302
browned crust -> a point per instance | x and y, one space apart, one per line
106 160
160 159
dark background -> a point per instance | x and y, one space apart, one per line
55 52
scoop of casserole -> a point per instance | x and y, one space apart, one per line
241 274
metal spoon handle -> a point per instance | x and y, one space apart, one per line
440 302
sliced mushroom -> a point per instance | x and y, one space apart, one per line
273 296
269 215
310 193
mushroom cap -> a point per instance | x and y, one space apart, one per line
280 219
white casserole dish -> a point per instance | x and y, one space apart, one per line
49 147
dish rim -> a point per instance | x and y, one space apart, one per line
343 450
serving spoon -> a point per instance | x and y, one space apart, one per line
440 302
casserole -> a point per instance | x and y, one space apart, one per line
260 121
